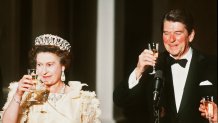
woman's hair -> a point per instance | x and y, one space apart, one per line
179 15
51 44
65 56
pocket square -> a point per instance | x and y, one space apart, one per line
205 83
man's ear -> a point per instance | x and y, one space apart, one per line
191 36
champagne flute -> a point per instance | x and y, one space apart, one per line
1 113
207 102
154 48
40 93
34 75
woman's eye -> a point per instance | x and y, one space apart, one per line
50 65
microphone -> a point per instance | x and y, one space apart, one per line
157 85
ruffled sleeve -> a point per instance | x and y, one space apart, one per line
90 107
12 90
90 111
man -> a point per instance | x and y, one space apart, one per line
182 87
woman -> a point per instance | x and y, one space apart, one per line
59 102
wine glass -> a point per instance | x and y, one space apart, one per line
39 91
207 102
1 113
34 75
154 47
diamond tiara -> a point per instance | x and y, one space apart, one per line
48 39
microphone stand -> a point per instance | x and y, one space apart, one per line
156 95
156 110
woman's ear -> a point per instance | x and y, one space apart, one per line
63 68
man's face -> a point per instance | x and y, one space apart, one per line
176 38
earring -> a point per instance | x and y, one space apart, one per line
62 76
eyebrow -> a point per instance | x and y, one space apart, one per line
46 62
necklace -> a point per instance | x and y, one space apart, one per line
54 97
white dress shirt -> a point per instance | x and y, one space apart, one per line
179 78
132 80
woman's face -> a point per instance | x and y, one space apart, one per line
176 38
49 68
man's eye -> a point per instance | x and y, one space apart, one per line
178 33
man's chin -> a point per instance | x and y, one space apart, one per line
174 54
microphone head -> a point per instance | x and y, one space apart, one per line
158 83
158 74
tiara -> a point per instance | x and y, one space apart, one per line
48 39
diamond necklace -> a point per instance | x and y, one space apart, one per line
54 97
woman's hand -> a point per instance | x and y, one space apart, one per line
25 84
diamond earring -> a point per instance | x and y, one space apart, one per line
62 76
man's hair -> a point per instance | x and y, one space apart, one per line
179 15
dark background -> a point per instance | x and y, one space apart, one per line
136 23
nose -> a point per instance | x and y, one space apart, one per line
44 70
172 38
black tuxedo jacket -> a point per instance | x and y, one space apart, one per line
137 102
1 91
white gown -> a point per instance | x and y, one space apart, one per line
77 106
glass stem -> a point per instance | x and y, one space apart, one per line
210 121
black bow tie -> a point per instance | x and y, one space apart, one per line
181 62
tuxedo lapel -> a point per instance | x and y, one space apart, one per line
169 96
170 90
